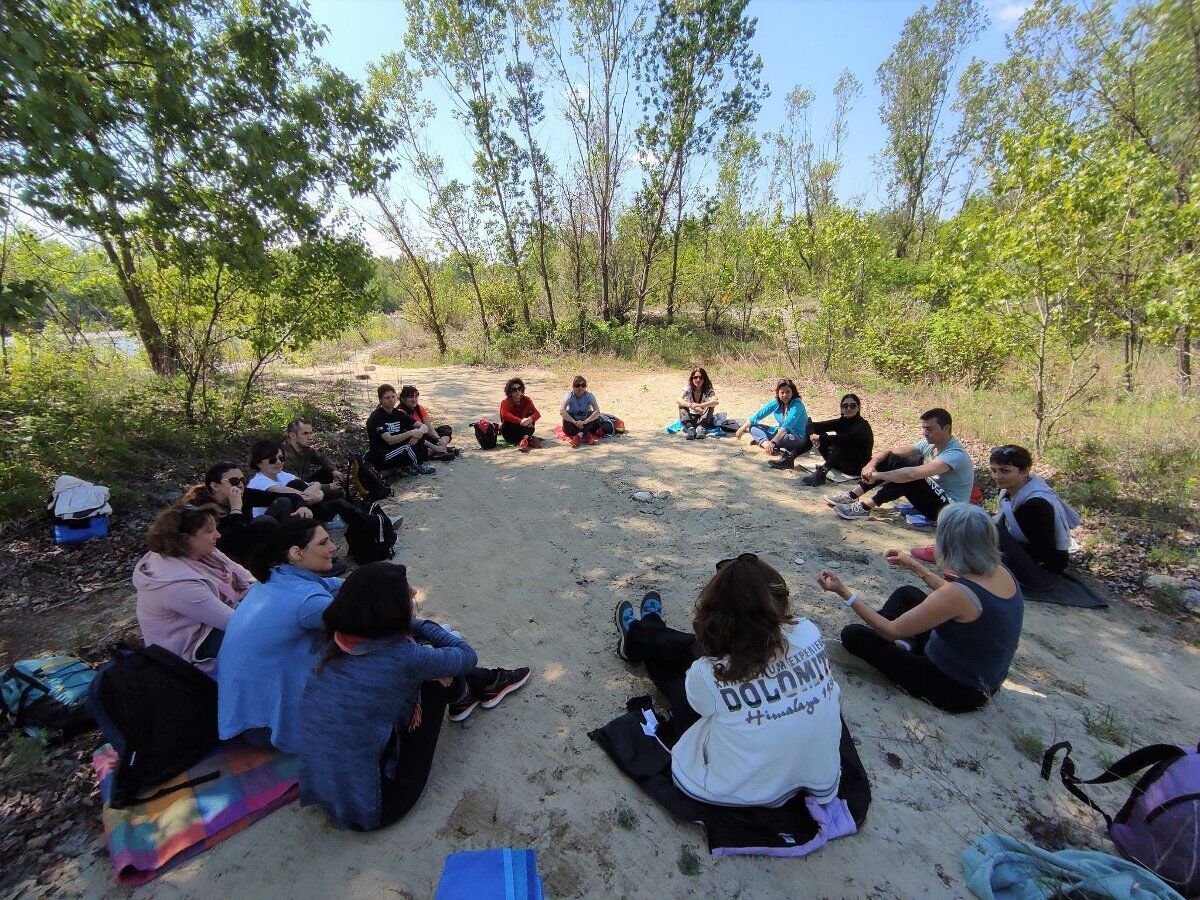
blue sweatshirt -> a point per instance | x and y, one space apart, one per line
794 419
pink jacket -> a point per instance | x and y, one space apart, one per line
177 606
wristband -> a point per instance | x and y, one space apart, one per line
849 601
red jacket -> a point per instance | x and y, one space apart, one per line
511 412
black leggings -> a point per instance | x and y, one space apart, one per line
928 499
401 792
514 433
668 654
910 669
570 429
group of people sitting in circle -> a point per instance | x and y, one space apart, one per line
239 582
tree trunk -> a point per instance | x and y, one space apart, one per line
1183 356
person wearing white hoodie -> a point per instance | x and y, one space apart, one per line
755 710
187 589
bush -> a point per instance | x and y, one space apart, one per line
104 417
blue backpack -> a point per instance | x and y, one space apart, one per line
46 694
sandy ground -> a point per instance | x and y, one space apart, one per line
527 554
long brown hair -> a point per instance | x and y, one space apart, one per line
740 615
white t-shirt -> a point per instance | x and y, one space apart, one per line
261 482
760 741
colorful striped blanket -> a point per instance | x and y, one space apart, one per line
146 840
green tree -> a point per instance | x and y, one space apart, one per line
177 128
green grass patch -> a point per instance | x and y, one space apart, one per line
688 862
1030 744
1105 724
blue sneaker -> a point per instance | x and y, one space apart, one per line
652 604
625 617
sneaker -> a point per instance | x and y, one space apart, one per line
701 433
924 554
337 523
816 478
839 498
852 512
592 438
575 440
625 617
396 521
535 443
426 470
690 433
524 445
411 471
463 707
652 604
785 461
503 683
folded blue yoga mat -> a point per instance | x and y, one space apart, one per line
490 875
677 426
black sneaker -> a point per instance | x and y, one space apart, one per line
503 683
785 461
463 707
817 478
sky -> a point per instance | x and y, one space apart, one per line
801 42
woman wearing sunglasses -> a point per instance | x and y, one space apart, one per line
187 589
238 532
518 416
845 443
281 494
1033 523
697 403
755 711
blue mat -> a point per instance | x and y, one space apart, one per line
676 427
490 875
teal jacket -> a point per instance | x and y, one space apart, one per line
794 419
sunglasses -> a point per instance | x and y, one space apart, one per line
849 406
741 557
277 458
235 482
697 378
517 389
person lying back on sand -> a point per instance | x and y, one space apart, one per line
952 647
696 404
755 710
372 709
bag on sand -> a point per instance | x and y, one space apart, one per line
366 482
159 712
1159 825
47 694
371 538
487 433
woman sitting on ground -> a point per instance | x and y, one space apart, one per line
518 416
696 405
187 589
279 494
788 437
1034 524
373 709
435 442
845 443
580 414
952 647
223 489
755 711
274 637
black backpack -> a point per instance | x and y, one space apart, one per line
366 482
371 538
159 712
487 433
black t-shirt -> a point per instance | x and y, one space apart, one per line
380 422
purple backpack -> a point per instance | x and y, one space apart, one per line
1159 825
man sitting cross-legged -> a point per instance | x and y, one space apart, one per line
930 474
